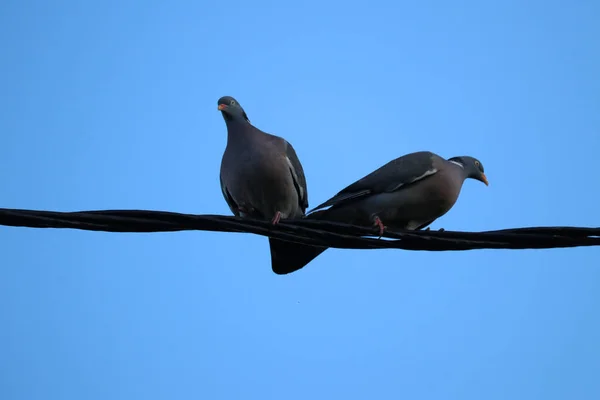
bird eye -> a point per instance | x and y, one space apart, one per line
232 102
479 166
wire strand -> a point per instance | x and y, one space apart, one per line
305 231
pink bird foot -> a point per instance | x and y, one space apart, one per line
276 218
380 225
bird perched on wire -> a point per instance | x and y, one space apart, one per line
261 176
409 192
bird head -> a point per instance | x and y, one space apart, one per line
473 168
231 109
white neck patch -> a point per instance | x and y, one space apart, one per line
457 163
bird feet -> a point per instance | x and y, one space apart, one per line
439 230
276 218
380 225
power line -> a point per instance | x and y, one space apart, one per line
312 232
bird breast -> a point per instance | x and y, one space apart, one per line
261 181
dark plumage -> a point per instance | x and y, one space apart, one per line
409 192
261 176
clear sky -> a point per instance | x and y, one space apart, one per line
113 105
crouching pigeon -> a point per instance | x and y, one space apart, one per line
409 192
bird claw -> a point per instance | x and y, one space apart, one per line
380 225
439 230
276 218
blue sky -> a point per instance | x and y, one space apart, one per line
114 105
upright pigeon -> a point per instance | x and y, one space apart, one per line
261 176
409 192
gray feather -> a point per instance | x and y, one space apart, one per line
390 177
298 175
260 172
410 192
230 202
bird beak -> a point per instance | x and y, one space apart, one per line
222 107
484 179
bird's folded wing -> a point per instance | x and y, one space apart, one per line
390 177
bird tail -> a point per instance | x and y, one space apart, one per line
288 257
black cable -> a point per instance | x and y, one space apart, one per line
321 233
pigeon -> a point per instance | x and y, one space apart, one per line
261 176
409 192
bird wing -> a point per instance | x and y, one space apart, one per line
230 202
390 177
297 175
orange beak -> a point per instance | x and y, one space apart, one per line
485 179
222 107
